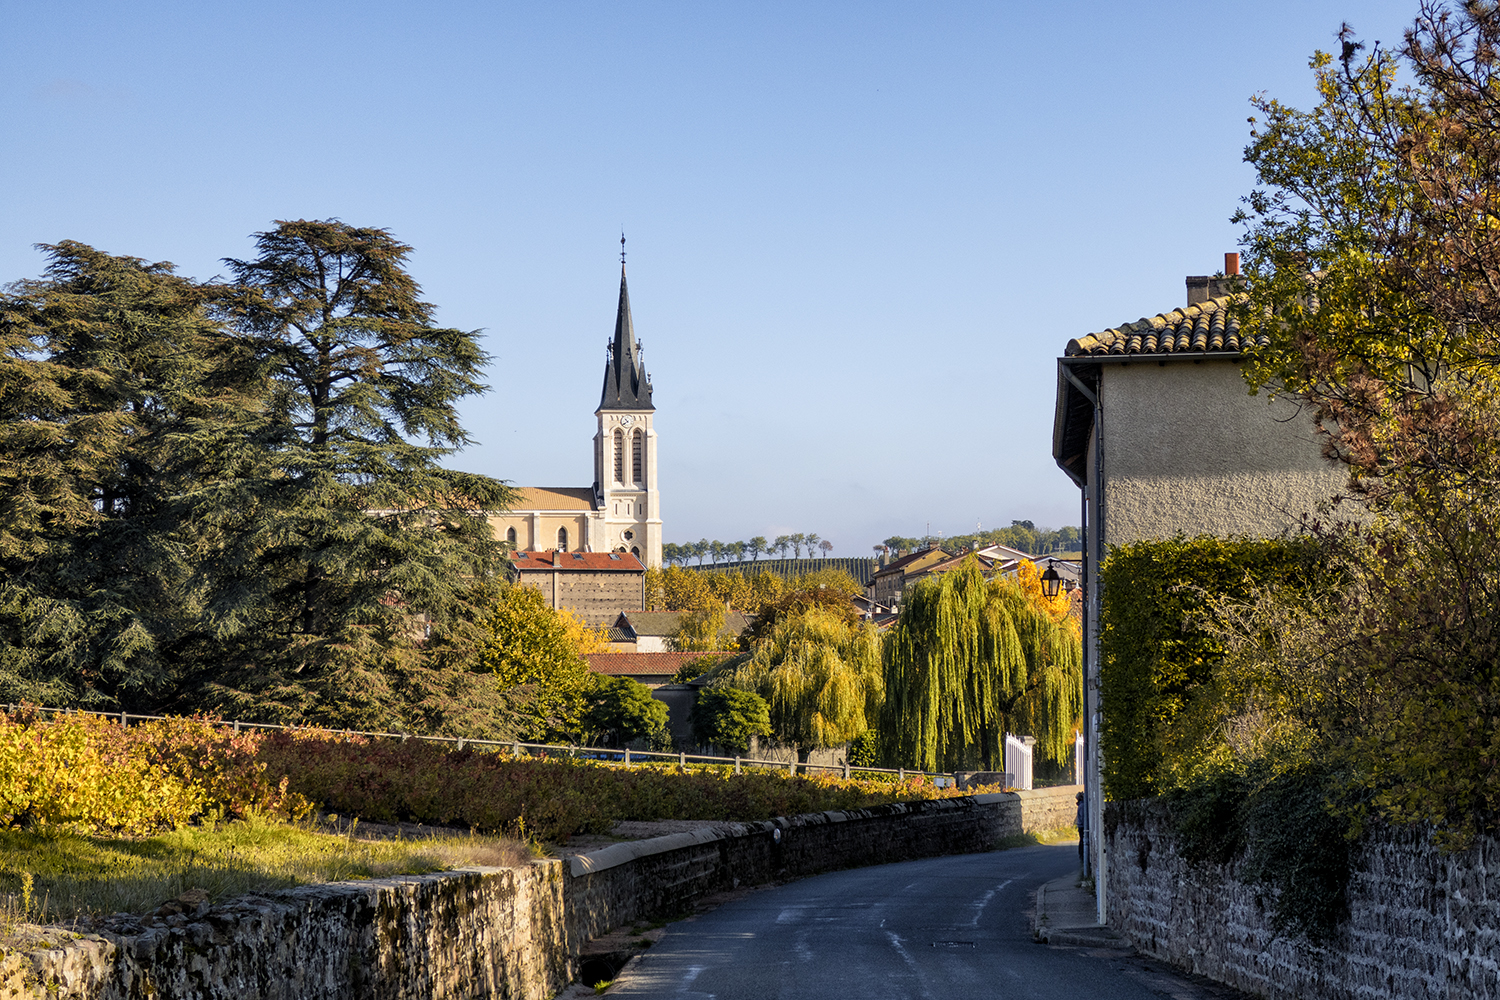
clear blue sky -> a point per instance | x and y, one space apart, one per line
859 233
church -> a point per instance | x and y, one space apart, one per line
621 511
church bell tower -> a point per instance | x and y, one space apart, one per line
625 448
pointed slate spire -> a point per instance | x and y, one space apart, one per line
626 385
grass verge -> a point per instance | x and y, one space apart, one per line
58 875
1057 835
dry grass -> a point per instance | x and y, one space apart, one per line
1058 835
48 877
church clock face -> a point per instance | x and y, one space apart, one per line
626 420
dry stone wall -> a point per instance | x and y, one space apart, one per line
507 934
662 877
495 932
1422 925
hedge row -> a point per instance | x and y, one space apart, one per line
1153 649
547 798
90 774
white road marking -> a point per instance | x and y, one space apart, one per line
983 901
910 962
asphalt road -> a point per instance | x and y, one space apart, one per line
938 928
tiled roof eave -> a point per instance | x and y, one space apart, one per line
1106 357
524 568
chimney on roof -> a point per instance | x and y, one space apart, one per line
1202 287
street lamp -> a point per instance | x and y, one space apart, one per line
1051 580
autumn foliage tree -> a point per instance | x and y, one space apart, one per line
1374 294
535 655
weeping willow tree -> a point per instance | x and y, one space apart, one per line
820 674
971 660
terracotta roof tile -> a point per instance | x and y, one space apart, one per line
631 664
1206 328
554 498
591 561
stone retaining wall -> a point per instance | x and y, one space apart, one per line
662 877
493 932
1422 925
485 932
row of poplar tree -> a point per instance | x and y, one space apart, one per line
228 495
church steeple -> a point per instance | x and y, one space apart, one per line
626 384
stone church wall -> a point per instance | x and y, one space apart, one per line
598 598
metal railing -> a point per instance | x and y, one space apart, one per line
623 756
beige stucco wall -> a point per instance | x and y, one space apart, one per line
537 531
1188 449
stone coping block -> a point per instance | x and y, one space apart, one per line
624 853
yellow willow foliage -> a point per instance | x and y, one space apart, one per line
819 674
969 661
1030 581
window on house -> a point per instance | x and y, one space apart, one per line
510 535
637 456
562 539
619 455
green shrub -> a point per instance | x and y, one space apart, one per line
864 749
728 717
623 710
1154 652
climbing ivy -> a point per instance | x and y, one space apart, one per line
1154 649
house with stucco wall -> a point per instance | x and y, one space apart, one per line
1156 426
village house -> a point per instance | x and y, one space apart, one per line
652 631
890 581
1158 429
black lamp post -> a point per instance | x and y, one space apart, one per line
1051 580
